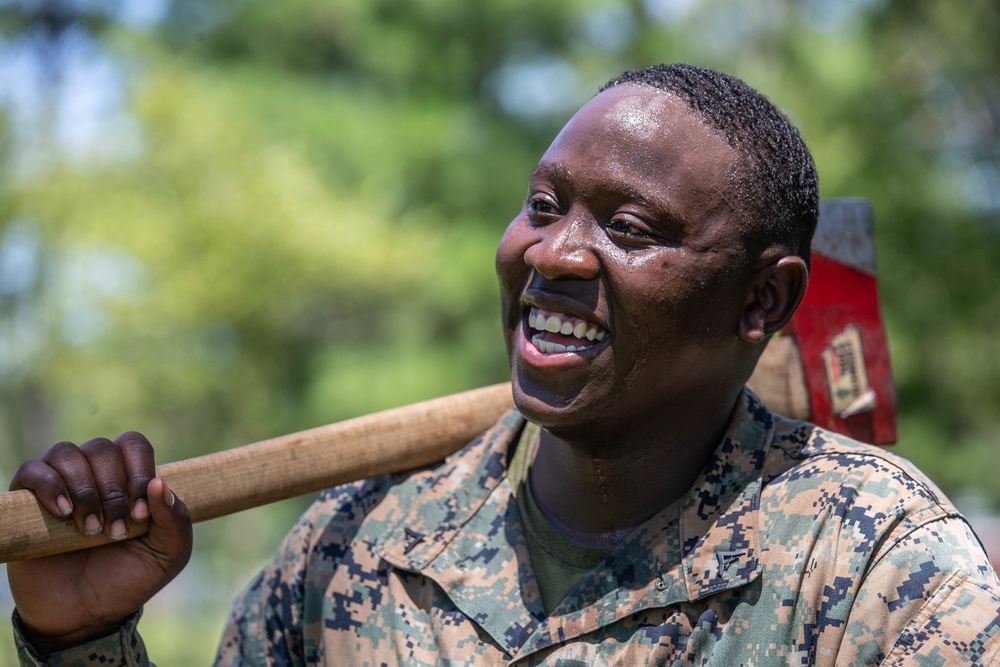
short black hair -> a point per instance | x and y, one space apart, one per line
776 186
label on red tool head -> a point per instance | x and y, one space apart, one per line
846 374
839 331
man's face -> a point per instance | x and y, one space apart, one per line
625 251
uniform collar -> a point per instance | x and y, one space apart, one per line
705 544
445 500
476 554
720 517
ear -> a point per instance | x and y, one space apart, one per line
775 293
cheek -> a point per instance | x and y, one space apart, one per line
658 288
672 300
703 303
509 262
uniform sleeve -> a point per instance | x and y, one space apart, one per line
956 626
278 618
930 598
124 647
264 626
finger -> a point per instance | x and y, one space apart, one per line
74 468
137 454
112 485
47 485
170 534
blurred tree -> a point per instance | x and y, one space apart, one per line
224 221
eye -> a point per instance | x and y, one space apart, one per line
541 210
623 226
631 230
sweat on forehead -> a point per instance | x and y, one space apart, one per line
644 116
638 140
626 118
778 188
640 116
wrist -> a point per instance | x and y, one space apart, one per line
46 644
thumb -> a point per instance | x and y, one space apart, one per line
169 535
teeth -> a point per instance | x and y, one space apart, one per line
549 347
565 325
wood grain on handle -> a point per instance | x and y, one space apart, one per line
237 479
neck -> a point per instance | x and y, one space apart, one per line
597 490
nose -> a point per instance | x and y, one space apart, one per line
565 249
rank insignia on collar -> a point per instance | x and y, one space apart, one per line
413 538
727 558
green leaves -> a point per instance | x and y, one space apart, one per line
297 223
300 224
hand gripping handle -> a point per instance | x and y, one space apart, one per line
290 465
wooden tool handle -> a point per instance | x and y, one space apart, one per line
237 479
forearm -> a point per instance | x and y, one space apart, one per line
121 647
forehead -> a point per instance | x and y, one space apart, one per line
635 113
647 141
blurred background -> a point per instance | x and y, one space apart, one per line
225 221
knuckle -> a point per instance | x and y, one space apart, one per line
27 474
140 453
141 478
27 469
133 439
142 448
138 485
60 450
135 447
96 445
114 496
105 460
48 475
115 503
85 494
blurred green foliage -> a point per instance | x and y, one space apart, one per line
288 216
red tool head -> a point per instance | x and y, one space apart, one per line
839 331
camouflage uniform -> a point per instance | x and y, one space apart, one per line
794 547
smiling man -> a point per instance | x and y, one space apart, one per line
639 507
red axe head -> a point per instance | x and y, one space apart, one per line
836 337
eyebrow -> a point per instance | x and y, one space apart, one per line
552 172
557 172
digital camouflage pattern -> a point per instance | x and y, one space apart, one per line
794 547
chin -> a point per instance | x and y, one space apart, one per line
556 412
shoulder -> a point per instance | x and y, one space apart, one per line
863 537
819 485
821 488
803 456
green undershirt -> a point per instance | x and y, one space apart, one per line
558 562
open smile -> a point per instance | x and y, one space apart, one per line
560 333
